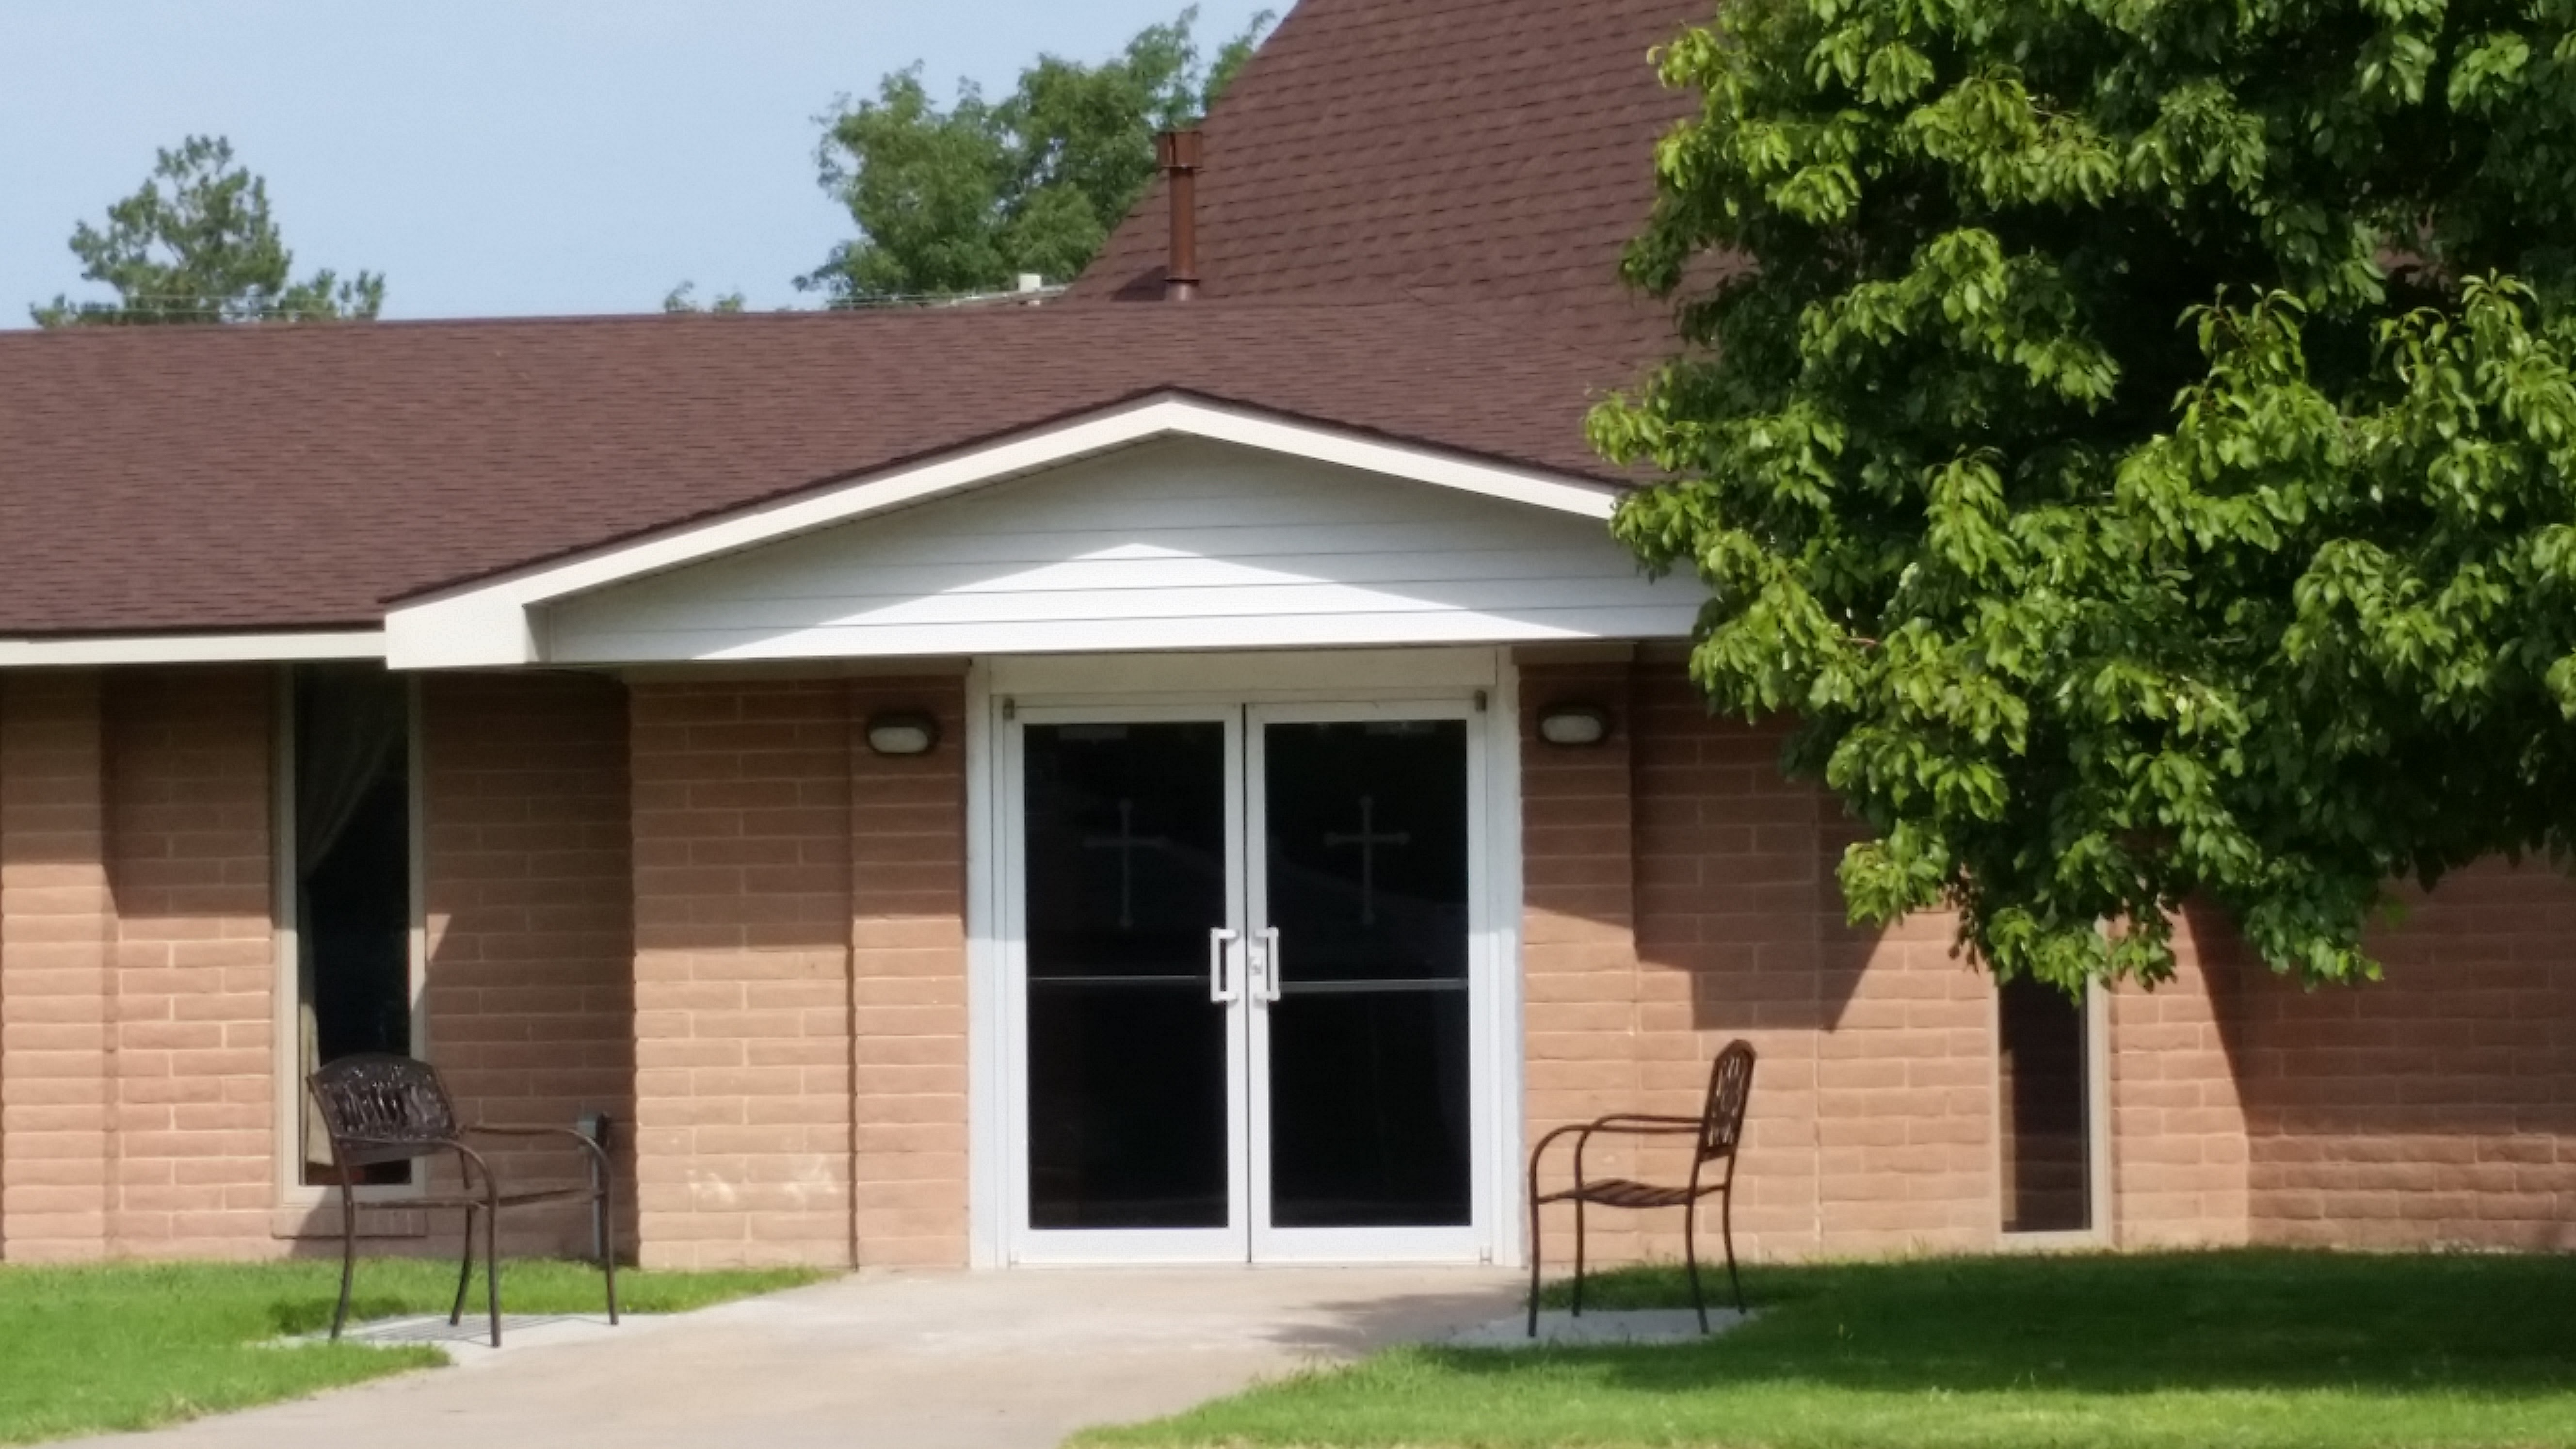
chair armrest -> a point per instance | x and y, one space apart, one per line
425 1147
1622 1124
1643 1125
501 1130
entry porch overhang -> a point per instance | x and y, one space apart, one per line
1172 522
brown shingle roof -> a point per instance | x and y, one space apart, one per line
268 477
1495 153
1409 223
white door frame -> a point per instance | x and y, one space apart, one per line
1483 680
1119 1245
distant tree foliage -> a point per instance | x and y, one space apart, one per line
197 244
684 299
2137 442
966 198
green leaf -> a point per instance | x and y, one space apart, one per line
2137 443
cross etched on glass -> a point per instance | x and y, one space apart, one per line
1368 838
1126 842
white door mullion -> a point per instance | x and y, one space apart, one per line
1242 1129
1255 875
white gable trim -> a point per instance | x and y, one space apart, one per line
489 624
191 648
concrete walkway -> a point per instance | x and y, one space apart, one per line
904 1361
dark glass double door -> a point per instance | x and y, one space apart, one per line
1245 995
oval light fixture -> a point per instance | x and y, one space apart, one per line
1574 724
902 732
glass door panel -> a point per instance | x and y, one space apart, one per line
1129 1067
1364 876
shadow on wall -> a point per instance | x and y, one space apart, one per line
1681 894
527 877
190 878
527 1001
2434 1106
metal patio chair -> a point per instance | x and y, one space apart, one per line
1719 1130
380 1108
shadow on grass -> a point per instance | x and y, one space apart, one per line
2105 1324
296 1317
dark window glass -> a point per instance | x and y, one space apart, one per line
1126 875
2046 1127
1366 867
352 834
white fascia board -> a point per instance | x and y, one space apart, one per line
1402 460
489 624
191 648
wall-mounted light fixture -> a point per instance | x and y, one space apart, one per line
902 732
1574 724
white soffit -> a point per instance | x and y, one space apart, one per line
191 648
490 624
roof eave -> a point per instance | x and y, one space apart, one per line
208 647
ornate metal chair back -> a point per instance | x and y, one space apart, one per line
382 1108
1730 1085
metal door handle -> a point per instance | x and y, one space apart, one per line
1270 963
1218 988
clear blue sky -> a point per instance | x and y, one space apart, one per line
496 157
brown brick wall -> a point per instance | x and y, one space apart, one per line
2436 1106
57 1129
793 888
2178 1136
137 949
192 882
1580 977
1681 893
711 910
527 881
908 965
1727 862
742 952
1906 1088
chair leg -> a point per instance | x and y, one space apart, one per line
1690 1261
493 1254
608 1240
348 1251
464 1269
1578 1256
1726 1226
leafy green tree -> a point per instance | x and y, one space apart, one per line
197 244
965 198
2135 441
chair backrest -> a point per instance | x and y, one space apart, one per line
1730 1084
382 1108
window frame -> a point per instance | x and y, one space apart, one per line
2099 1229
287 1108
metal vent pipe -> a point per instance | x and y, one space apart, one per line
1177 152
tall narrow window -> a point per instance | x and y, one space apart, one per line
351 836
2044 1075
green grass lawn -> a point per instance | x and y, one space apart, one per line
2204 1350
126 1346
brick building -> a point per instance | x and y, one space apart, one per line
1092 781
